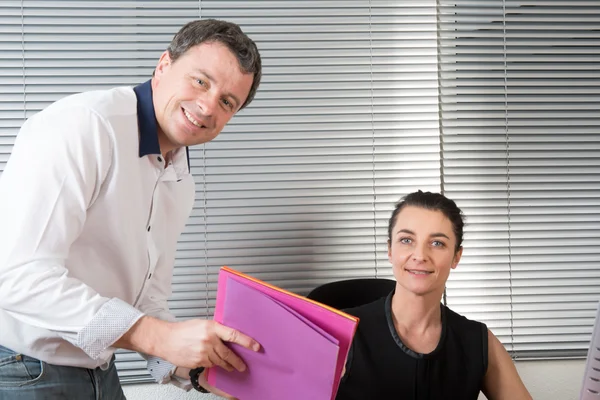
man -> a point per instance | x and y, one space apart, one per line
92 201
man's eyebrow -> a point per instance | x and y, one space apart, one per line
210 78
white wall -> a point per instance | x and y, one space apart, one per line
546 380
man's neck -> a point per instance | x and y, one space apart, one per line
166 146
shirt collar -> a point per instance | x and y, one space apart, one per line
148 126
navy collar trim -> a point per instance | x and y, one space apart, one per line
147 124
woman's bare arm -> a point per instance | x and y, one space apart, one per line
502 381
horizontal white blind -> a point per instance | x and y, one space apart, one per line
298 188
12 98
520 102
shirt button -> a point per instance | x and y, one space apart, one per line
149 228
149 276
159 159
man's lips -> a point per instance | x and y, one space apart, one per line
194 119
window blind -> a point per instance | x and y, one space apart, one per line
519 98
12 99
298 188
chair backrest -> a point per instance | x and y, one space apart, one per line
352 292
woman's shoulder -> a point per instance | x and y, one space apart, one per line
455 319
367 310
472 336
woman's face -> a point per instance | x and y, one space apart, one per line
422 250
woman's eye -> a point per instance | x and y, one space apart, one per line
437 243
405 240
200 82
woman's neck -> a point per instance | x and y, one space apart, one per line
415 314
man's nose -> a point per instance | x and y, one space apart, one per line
207 104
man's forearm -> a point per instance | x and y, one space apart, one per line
146 336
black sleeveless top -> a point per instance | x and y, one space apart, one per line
380 366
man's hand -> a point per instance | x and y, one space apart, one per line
190 344
199 343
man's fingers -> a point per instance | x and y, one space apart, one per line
206 363
217 360
229 357
233 336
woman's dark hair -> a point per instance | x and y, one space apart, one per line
434 202
227 33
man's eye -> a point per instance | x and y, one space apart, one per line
437 243
405 240
200 82
227 103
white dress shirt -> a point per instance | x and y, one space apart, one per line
90 218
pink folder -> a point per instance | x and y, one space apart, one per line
304 343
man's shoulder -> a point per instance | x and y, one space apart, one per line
108 103
85 116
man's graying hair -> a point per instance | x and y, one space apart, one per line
227 33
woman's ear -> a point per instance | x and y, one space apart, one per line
390 250
457 257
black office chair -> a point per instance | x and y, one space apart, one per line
352 292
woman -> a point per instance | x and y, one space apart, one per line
409 345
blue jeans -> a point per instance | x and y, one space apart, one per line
23 377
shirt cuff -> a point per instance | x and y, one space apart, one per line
111 322
164 372
181 383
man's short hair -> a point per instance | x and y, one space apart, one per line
227 33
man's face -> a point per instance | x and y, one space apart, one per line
195 96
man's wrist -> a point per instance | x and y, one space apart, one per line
195 375
147 336
182 372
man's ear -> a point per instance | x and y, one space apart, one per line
163 64
457 257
